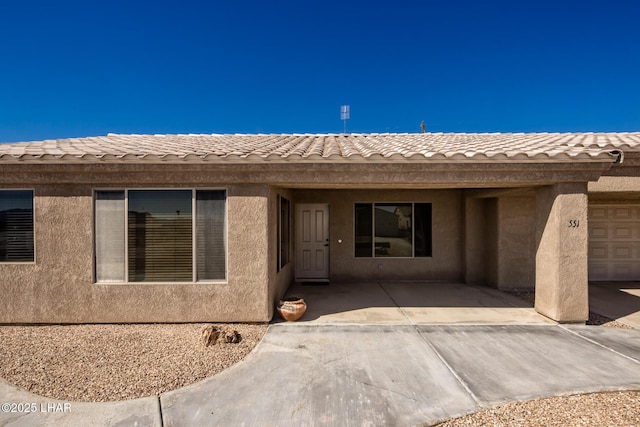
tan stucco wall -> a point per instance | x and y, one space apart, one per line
59 286
516 242
446 262
491 241
475 241
615 184
499 241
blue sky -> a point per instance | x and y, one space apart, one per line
82 68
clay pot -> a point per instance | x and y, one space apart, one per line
291 308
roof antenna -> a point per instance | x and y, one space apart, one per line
422 126
345 113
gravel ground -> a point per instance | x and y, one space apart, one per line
95 363
585 410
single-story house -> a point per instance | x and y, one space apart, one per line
208 228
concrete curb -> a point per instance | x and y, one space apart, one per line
28 409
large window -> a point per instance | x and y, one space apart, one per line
397 230
165 235
16 226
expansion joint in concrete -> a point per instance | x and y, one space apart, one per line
634 360
398 306
161 417
449 368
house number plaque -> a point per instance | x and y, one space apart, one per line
574 223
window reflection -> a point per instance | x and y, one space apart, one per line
393 230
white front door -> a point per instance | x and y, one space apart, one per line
312 241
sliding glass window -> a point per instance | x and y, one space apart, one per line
171 235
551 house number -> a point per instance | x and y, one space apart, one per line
574 223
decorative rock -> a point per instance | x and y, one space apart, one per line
212 334
232 337
291 308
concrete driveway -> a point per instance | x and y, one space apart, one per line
374 375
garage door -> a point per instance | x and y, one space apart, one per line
614 242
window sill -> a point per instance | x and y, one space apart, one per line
203 283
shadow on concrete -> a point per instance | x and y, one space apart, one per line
411 303
619 301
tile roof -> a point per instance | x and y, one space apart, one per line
251 148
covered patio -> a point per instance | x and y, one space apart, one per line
411 303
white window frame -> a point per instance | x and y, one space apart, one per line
194 275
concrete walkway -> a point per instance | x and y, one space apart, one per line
399 354
355 375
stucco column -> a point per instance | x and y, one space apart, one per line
248 252
562 252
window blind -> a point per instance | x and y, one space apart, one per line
109 236
160 241
16 226
210 235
